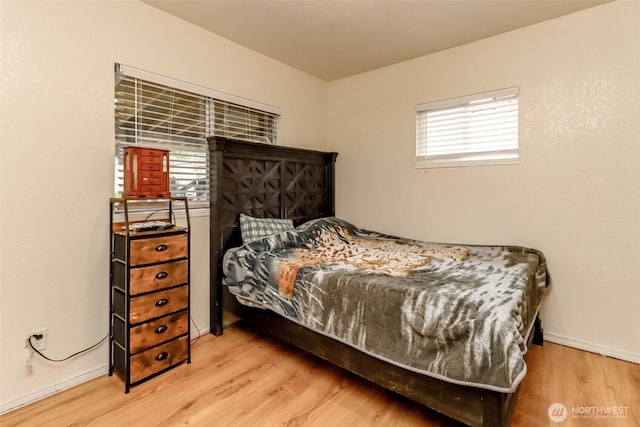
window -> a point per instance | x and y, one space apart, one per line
479 129
158 112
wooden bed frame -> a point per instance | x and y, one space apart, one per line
279 182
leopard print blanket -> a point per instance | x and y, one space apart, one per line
338 246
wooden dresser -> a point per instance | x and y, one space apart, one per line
149 291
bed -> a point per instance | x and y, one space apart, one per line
256 181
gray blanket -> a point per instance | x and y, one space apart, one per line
457 313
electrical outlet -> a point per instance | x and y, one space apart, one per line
39 343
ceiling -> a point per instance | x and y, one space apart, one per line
332 39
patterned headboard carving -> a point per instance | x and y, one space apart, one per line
264 181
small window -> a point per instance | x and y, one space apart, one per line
473 130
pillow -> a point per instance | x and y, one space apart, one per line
256 228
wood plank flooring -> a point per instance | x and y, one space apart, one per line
247 379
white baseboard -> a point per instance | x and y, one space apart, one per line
592 348
52 389
69 382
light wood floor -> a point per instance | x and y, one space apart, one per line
247 379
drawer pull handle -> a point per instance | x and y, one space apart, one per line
161 275
162 302
161 329
161 248
162 356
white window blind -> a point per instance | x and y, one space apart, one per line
158 112
480 129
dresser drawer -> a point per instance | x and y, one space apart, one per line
158 331
155 277
151 152
151 173
150 180
158 358
158 249
156 167
158 304
151 188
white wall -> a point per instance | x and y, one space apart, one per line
56 165
576 193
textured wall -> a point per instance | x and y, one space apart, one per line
56 164
576 193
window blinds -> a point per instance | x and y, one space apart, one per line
478 129
157 112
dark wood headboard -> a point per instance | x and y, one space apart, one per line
264 181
